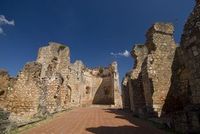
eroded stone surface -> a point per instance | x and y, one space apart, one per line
52 84
170 76
156 69
149 81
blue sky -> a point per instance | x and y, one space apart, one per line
93 29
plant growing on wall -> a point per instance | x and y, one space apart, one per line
101 70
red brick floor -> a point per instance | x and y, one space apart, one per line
95 121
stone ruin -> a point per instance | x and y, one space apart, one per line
149 81
52 84
165 80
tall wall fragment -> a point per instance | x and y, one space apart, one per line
135 83
23 102
188 119
156 69
149 81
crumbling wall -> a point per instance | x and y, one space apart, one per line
79 86
105 92
52 84
115 85
156 69
54 58
190 43
23 102
179 92
6 85
53 96
87 91
136 91
125 93
149 81
188 119
170 75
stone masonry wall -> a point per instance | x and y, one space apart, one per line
156 69
170 76
23 102
190 43
149 81
125 92
115 85
188 119
6 86
52 84
136 90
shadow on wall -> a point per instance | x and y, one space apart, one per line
138 96
104 94
148 90
178 95
179 91
125 97
134 125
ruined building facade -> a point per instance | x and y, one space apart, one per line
164 82
52 84
149 81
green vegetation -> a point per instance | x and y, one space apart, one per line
101 69
62 47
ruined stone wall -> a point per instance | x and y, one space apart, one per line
125 93
136 90
75 82
187 119
116 85
179 92
52 84
91 85
170 76
54 58
6 85
190 43
104 94
23 102
149 81
79 86
157 68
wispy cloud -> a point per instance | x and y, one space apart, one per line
3 22
126 53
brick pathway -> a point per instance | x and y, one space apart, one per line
95 121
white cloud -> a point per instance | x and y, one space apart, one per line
126 53
4 21
1 30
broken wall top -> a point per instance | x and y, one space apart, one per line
114 67
159 27
160 36
53 50
139 50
